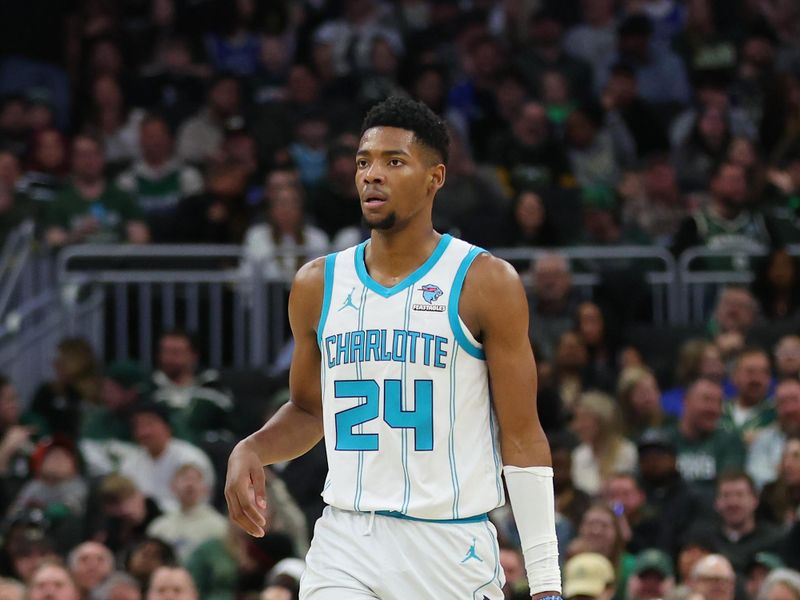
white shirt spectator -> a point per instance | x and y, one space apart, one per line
186 530
281 259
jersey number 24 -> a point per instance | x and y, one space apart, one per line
420 419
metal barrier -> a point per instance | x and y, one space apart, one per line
595 259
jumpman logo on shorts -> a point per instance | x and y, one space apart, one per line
348 302
471 553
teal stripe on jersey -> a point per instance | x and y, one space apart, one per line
451 442
496 455
419 273
396 515
330 263
452 305
357 501
405 434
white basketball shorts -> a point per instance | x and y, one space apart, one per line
361 556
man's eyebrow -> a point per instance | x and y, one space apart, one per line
384 152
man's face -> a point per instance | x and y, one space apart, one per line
124 591
132 509
730 185
736 310
625 491
651 585
92 565
715 580
787 404
396 177
88 161
551 279
751 378
703 406
531 128
787 356
155 141
176 358
9 405
151 432
224 97
52 583
736 503
171 584
189 486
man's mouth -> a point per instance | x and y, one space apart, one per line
374 198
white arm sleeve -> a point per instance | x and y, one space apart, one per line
530 490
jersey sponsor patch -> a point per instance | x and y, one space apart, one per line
430 294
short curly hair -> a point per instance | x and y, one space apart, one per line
414 116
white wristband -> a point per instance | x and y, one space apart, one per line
530 490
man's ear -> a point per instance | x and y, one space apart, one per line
437 178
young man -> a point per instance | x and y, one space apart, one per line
408 333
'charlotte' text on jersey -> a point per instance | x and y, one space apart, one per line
378 345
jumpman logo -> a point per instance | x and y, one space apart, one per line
348 302
471 553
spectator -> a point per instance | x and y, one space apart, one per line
195 521
707 145
752 409
694 546
200 137
733 318
571 503
787 357
570 363
713 577
90 564
668 495
552 304
47 169
704 448
652 577
152 466
201 405
528 222
640 401
233 46
11 589
727 223
58 402
758 568
124 383
308 149
777 286
589 575
334 203
118 586
158 180
739 535
781 584
282 246
113 122
125 513
652 201
17 443
697 359
171 583
595 37
626 497
603 450
764 455
601 532
603 226
514 569
146 557
780 499
51 581
591 325
27 545
13 124
91 209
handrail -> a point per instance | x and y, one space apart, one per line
16 253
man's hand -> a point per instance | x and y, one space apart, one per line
245 490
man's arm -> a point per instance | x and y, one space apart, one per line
297 426
501 322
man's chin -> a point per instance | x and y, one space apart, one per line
382 224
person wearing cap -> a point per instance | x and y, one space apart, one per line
158 179
780 584
158 456
589 575
652 577
760 566
713 577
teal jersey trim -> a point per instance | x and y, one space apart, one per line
357 499
330 265
398 515
452 305
406 476
451 436
369 282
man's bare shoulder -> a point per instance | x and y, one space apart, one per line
307 287
488 274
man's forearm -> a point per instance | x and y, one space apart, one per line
290 433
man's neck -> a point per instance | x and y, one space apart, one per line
690 431
745 402
395 255
726 210
156 453
183 380
90 188
738 531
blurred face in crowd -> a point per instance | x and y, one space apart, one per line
551 279
729 185
284 178
714 578
286 210
429 88
790 462
585 425
787 356
510 94
529 212
562 468
711 365
58 466
781 591
581 130
645 396
52 582
10 169
531 127
736 310
702 407
688 557
116 397
660 180
125 591
751 377
713 126
787 404
50 150
598 530
224 98
781 274
176 357
169 583
131 509
189 486
590 323
625 491
313 133
12 116
106 93
597 12
155 141
144 560
88 161
302 85
9 405
736 503
151 432
10 590
90 564
571 352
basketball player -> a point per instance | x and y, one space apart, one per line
411 349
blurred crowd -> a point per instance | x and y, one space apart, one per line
665 123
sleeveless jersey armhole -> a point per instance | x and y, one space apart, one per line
461 333
330 264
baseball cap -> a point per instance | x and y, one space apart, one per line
127 373
656 439
653 560
587 574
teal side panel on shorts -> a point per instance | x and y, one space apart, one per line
496 571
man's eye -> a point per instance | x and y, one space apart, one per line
395 162
361 164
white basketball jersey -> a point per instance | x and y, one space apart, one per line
409 426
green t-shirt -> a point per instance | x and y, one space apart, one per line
763 416
113 209
99 423
214 571
701 461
